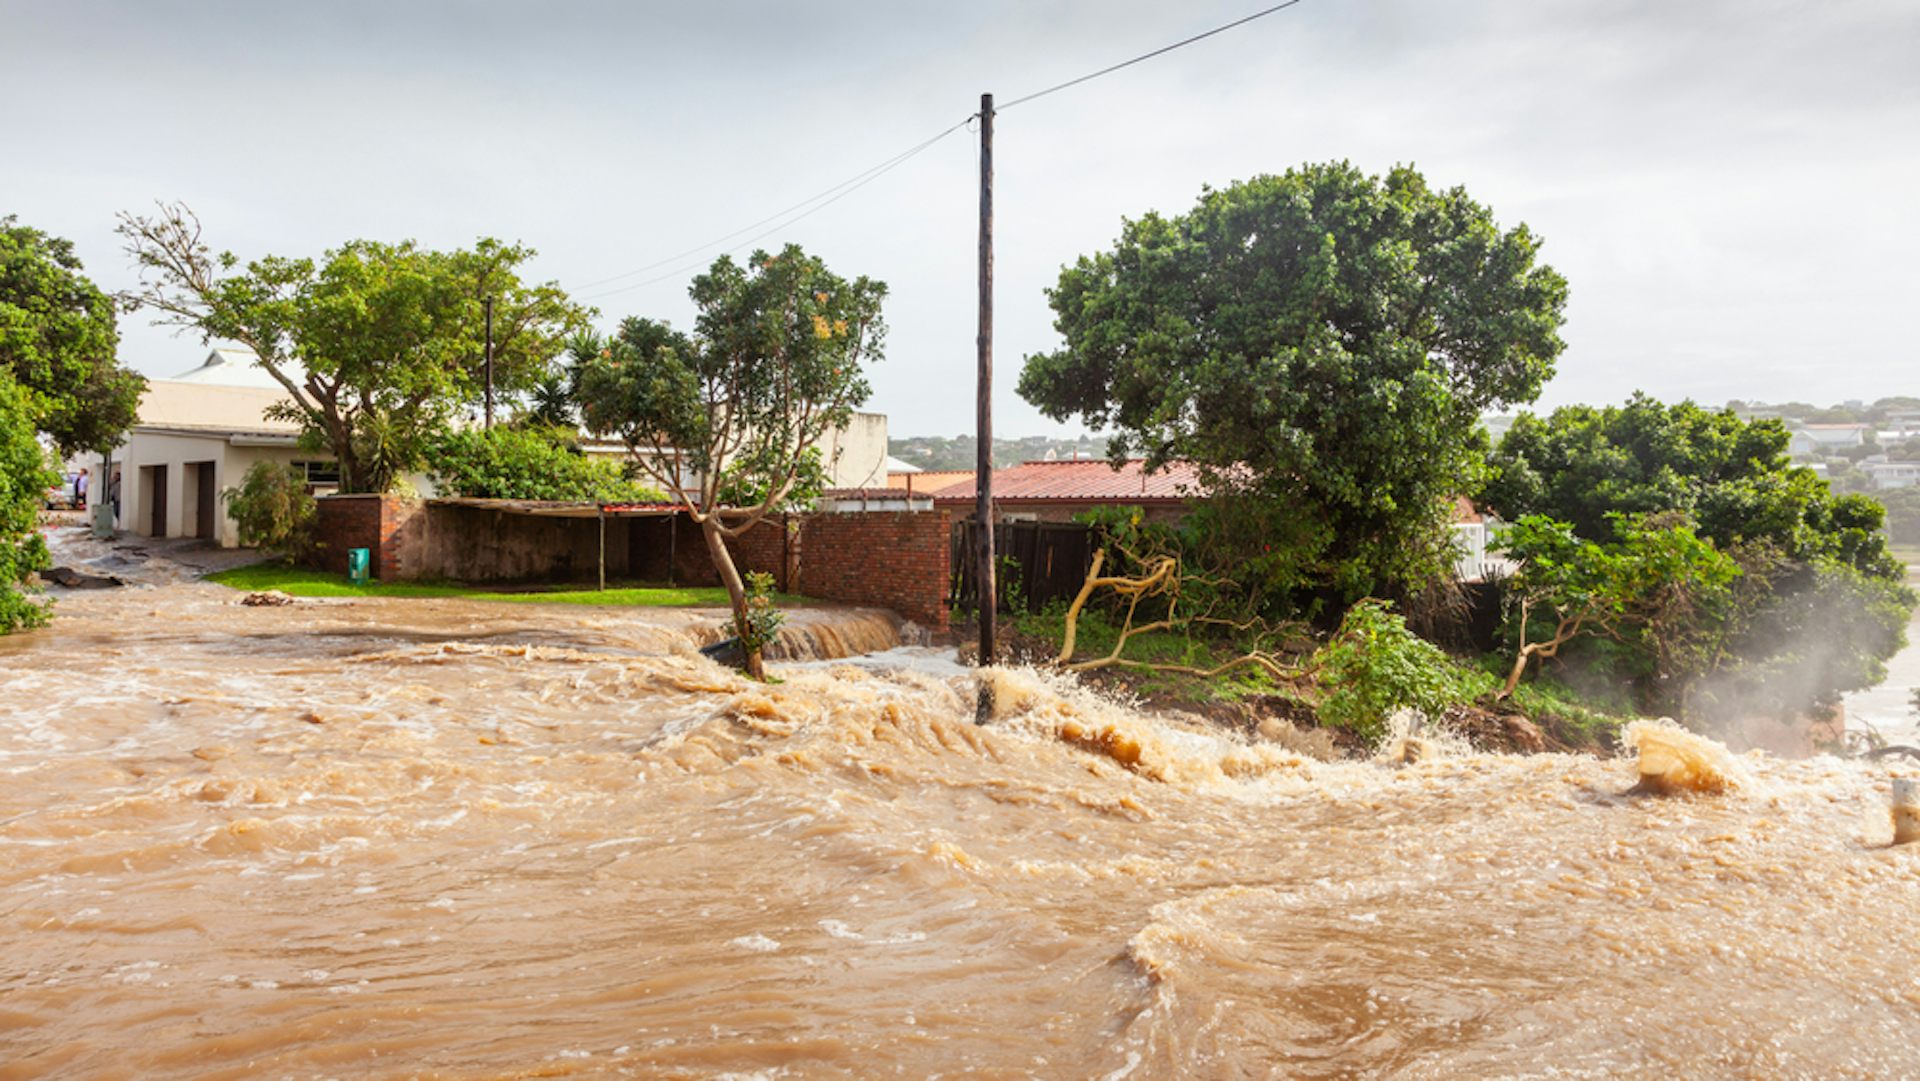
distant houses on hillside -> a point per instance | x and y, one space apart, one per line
1816 439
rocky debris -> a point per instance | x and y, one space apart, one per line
72 579
266 598
1525 735
1500 733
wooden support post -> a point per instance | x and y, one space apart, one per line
603 546
988 596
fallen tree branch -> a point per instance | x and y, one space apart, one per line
1164 577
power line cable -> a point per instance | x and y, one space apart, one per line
823 199
1144 56
831 195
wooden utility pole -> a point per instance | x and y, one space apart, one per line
489 306
988 595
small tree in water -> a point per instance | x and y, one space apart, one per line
773 364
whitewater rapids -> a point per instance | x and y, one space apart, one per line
458 840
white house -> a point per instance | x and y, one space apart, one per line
855 456
195 437
1474 532
1889 475
1824 439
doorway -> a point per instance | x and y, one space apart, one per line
205 500
153 493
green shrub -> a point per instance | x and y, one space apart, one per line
529 463
24 477
1374 666
273 510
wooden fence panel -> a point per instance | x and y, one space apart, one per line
1039 562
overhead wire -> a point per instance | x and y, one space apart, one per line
1144 56
823 199
814 204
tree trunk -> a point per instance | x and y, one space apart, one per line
736 592
1513 676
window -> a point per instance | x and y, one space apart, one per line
319 473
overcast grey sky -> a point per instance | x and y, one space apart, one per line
1728 186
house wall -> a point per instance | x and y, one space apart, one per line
856 455
176 452
889 559
1470 551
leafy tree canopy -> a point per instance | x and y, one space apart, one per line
1324 339
57 340
379 345
1583 465
24 477
530 463
773 364
1663 594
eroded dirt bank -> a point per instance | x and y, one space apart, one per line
441 838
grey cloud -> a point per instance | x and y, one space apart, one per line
1724 183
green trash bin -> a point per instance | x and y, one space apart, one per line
358 560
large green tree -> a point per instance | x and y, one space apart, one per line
57 340
1322 340
773 364
379 346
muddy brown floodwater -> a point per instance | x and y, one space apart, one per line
457 840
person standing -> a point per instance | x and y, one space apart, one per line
80 489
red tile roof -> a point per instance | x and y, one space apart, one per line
1086 481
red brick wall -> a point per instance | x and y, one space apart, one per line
894 560
362 521
765 548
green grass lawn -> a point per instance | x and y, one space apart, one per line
305 582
